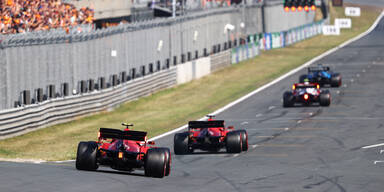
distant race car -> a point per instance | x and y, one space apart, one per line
210 135
322 75
306 93
125 151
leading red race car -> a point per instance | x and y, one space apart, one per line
124 150
210 135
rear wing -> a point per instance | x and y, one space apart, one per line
305 86
205 124
318 68
107 133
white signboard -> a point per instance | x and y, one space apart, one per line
352 11
331 30
113 53
343 23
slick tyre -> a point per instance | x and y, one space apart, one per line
168 161
234 142
155 163
336 80
244 140
325 98
288 99
302 77
180 144
86 158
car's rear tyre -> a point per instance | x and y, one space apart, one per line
155 163
302 77
168 161
336 80
180 143
288 99
234 142
325 98
86 158
244 140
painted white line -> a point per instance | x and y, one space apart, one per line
235 155
352 80
271 107
373 146
345 85
338 92
254 146
357 75
376 162
259 115
286 129
293 71
363 71
381 151
244 123
17 160
298 122
66 161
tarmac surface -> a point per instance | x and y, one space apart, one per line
290 149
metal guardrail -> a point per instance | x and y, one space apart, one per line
21 120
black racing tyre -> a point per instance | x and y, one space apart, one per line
86 158
234 142
325 98
302 77
180 143
336 80
168 161
288 99
155 163
244 139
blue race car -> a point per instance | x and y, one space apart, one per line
322 75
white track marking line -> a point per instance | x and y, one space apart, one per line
17 160
244 123
271 107
373 146
376 162
381 151
254 146
259 115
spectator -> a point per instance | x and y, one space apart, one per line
21 16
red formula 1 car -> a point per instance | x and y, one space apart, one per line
211 136
306 93
124 150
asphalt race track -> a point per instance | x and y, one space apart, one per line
291 149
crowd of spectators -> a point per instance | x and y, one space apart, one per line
20 16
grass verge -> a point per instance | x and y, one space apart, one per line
168 109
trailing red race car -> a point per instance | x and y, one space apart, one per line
124 150
306 93
211 136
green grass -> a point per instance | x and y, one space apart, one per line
170 108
